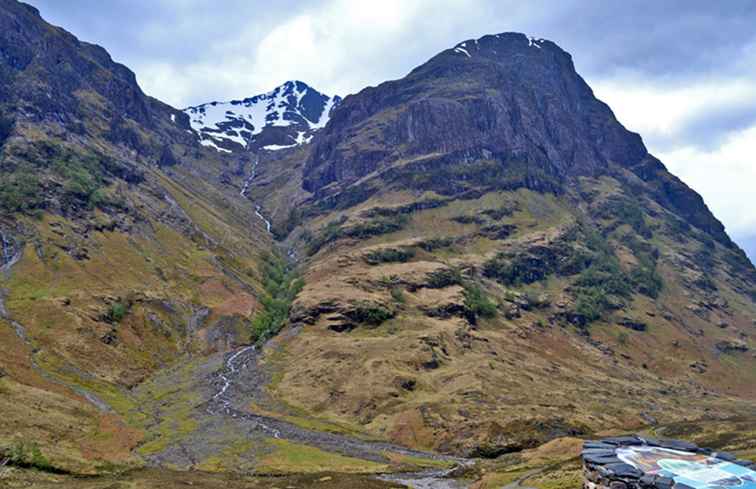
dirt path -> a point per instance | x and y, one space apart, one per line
517 484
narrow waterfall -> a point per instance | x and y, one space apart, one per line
245 189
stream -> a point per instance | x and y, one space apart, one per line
237 382
9 255
245 189
7 248
20 331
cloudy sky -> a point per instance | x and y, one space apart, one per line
681 73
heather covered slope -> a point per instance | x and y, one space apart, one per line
493 261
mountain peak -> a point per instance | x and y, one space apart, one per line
284 117
497 44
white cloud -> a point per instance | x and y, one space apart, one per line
661 113
339 48
725 177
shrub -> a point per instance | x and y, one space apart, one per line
281 287
368 313
523 268
117 312
445 277
28 455
398 295
388 281
626 211
590 303
498 214
433 244
605 273
647 280
375 227
389 255
478 303
466 219
330 232
102 199
20 192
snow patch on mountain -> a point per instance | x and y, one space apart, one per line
282 118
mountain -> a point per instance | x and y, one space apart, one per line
493 260
282 118
472 266
121 250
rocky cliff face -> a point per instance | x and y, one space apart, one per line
502 111
50 77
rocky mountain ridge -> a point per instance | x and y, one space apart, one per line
285 117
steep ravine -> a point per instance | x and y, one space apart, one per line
245 189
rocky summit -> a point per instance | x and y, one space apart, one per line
282 118
445 280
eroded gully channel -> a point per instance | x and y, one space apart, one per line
239 382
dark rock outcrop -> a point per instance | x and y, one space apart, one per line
499 112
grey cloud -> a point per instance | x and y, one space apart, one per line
661 40
708 131
748 243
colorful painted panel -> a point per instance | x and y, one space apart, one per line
696 470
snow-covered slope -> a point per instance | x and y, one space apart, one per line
282 118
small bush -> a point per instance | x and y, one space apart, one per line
20 192
388 280
117 312
102 199
590 303
398 295
330 232
375 227
368 313
465 219
647 280
500 213
524 268
28 455
390 255
626 211
433 244
445 277
478 303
